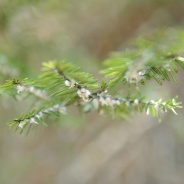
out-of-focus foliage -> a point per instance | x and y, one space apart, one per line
149 58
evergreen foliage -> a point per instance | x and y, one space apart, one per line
62 84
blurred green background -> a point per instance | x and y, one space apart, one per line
87 149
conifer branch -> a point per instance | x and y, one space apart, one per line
32 90
36 118
62 84
17 87
123 72
101 99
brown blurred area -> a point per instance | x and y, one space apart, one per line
88 149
